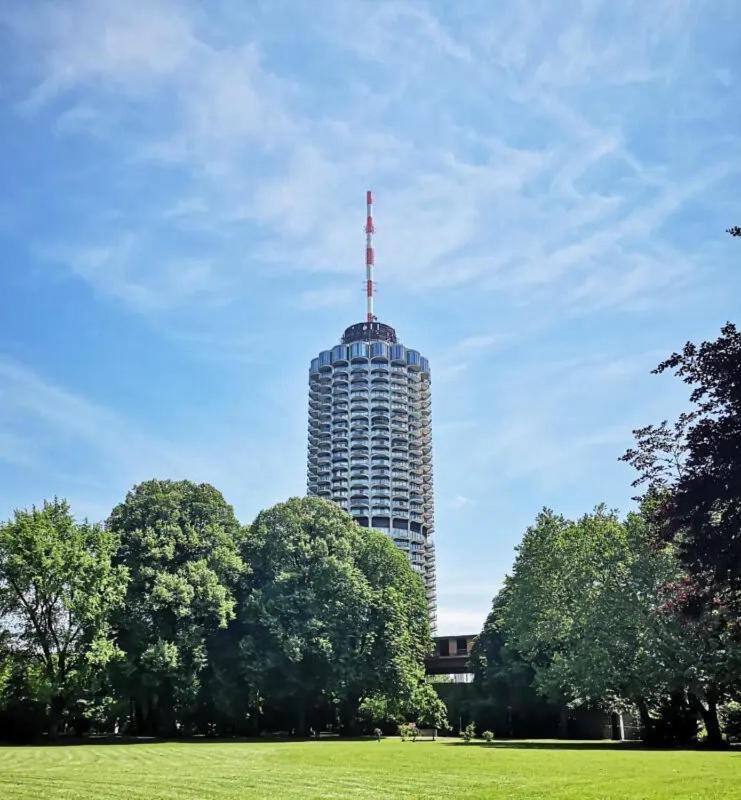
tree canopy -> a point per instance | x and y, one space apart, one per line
58 589
694 465
179 543
332 613
590 608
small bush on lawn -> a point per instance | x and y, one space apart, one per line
487 736
730 716
408 731
469 732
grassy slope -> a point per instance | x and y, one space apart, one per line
365 769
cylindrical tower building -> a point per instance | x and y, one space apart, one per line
370 440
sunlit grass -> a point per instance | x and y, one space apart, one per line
365 769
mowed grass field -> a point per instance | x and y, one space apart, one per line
365 769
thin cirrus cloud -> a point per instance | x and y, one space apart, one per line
226 103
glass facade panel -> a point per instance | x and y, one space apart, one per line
358 350
378 349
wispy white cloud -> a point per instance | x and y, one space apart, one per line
471 198
126 271
458 357
92 454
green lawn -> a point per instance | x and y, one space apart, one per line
365 769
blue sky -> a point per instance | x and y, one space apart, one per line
181 231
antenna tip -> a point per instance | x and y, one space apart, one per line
369 196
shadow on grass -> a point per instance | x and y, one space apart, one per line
501 744
601 745
77 741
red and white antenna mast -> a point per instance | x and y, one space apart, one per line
369 229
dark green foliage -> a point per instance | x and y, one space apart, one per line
692 470
179 542
504 696
332 614
588 618
694 465
731 717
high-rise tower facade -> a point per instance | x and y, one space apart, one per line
370 437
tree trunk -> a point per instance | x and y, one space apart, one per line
646 722
563 723
166 709
349 717
56 709
139 719
301 717
709 716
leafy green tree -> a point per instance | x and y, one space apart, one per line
504 682
332 613
179 541
427 708
589 604
58 588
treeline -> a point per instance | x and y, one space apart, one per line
644 613
172 618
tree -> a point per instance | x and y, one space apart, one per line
58 589
692 471
179 542
423 709
694 465
504 683
589 604
332 614
427 709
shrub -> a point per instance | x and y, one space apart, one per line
408 731
730 716
487 736
469 732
